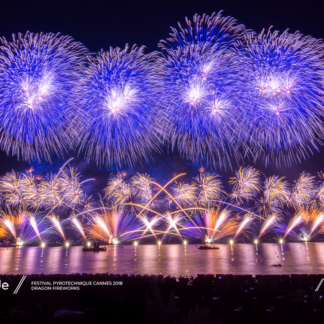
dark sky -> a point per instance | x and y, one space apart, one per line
101 24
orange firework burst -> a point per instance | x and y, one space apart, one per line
17 225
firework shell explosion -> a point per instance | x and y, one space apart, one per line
215 91
284 96
118 99
140 207
201 82
38 74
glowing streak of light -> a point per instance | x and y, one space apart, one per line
172 224
79 226
316 223
102 225
10 225
173 200
149 225
245 222
69 218
143 208
162 188
245 210
33 223
56 222
220 220
295 221
267 224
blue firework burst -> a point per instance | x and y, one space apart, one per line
37 75
201 82
118 95
283 94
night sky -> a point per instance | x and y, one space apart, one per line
102 24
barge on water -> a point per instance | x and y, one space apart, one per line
205 247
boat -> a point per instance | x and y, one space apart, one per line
101 249
205 247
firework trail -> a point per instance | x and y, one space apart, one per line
99 229
201 81
220 223
246 184
283 94
56 223
7 226
244 225
149 223
297 220
214 225
172 222
317 223
313 219
228 229
269 224
38 75
113 224
78 225
118 97
193 209
33 223
115 220
16 225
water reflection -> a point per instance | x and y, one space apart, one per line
168 259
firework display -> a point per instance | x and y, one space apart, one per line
38 74
201 83
118 100
283 93
215 92
138 207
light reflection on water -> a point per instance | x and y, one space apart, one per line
167 259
